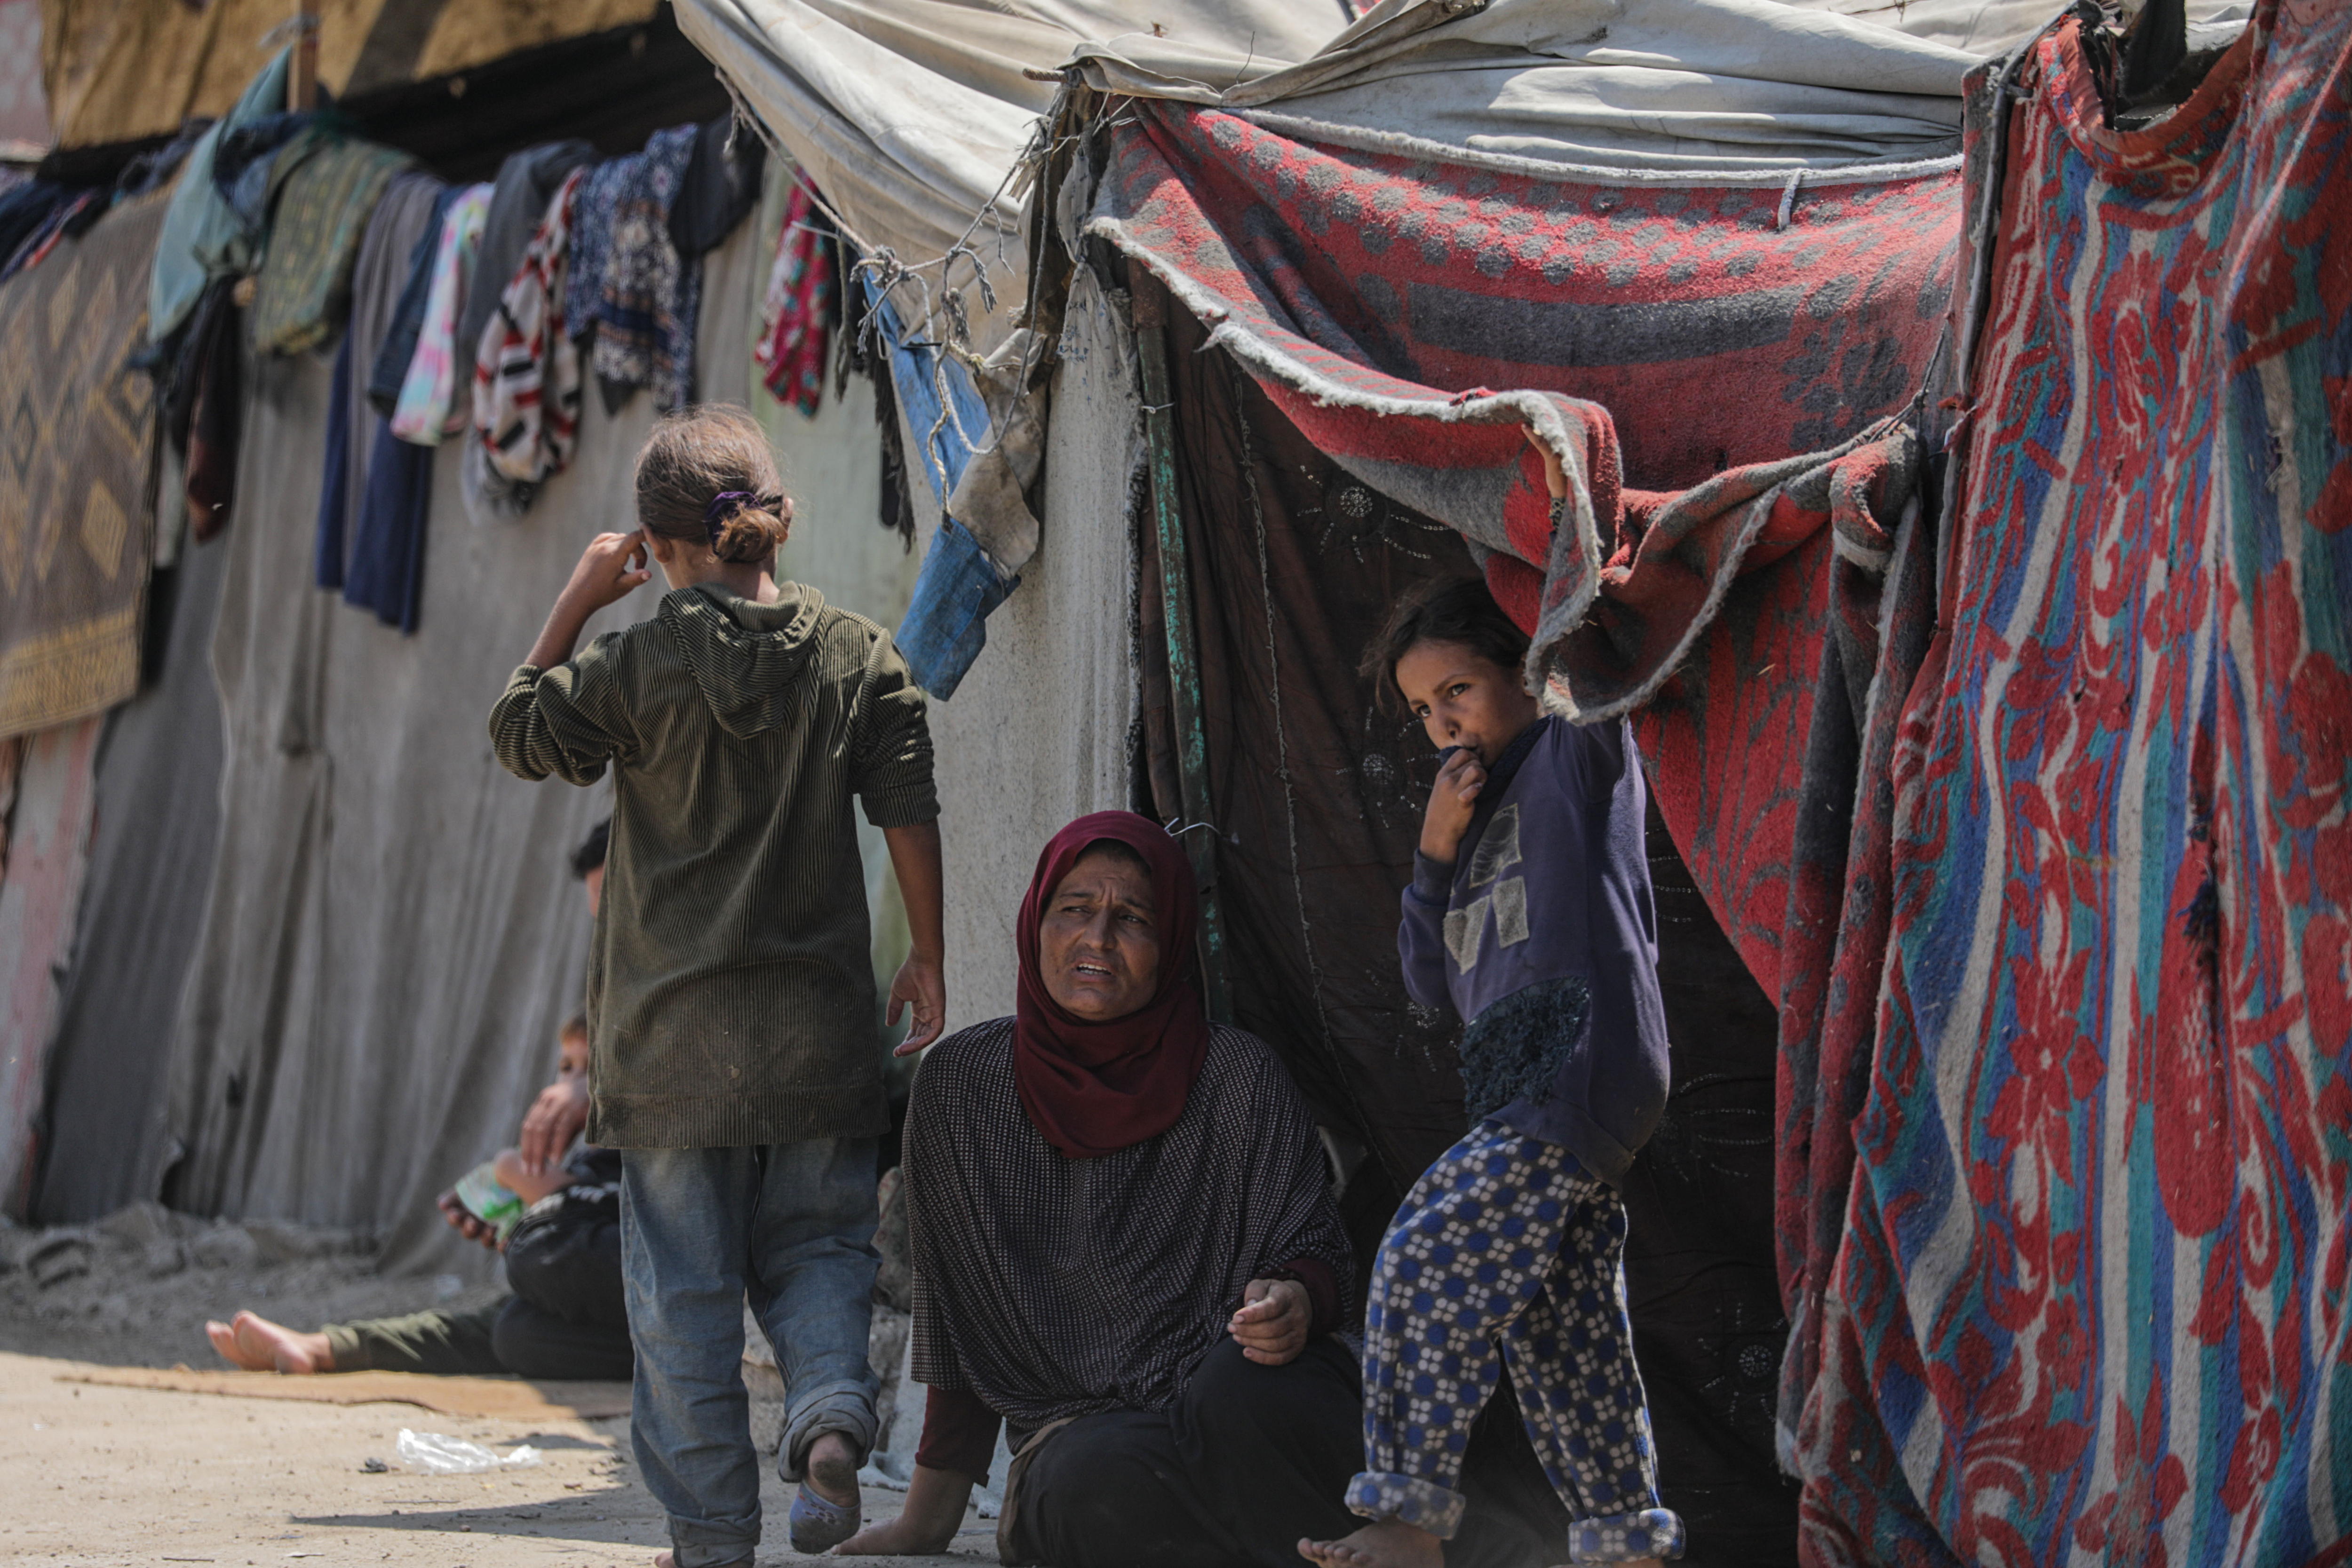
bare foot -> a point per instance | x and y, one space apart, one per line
224 1338
830 1469
264 1346
900 1536
1387 1543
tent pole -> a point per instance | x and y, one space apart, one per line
1183 653
302 80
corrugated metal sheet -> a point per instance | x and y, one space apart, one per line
120 69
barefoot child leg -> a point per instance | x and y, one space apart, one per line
1530 917
735 1062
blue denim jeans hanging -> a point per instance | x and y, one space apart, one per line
946 624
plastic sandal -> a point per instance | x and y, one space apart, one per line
818 1525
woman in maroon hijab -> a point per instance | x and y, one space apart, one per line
1125 1246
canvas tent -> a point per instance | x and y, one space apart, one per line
2000 786
1766 599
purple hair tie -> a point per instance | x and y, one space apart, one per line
724 505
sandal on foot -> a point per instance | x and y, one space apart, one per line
818 1524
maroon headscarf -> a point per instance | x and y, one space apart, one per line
1093 1089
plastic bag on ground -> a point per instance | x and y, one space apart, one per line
433 1454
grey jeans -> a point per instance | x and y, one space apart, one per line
791 1227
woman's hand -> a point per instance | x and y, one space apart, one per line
927 1524
919 985
1555 476
1451 801
1271 1328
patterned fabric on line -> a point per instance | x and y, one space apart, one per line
645 320
421 415
2088 1303
1508 1253
527 368
800 301
304 290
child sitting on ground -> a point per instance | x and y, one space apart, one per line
738 1067
1529 915
564 1320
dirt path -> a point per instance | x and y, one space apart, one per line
102 1476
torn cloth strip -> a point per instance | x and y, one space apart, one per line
1410 315
2091 1302
76 455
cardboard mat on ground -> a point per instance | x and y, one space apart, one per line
491 1398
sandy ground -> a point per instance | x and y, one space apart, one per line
99 1476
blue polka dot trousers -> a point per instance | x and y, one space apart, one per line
1509 1253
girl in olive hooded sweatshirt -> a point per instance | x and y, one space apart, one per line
730 995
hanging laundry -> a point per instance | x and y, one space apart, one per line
386 572
252 164
208 391
303 291
651 294
527 368
519 198
76 454
794 336
199 222
720 189
429 390
592 239
27 210
399 345
378 273
73 216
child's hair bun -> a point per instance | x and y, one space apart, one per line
706 475
751 530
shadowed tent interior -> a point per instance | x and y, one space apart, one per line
1315 786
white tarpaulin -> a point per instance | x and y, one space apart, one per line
910 116
1629 83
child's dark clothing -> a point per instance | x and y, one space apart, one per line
733 1002
566 1319
1542 937
737 1052
1509 1250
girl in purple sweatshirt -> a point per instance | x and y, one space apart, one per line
1529 916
